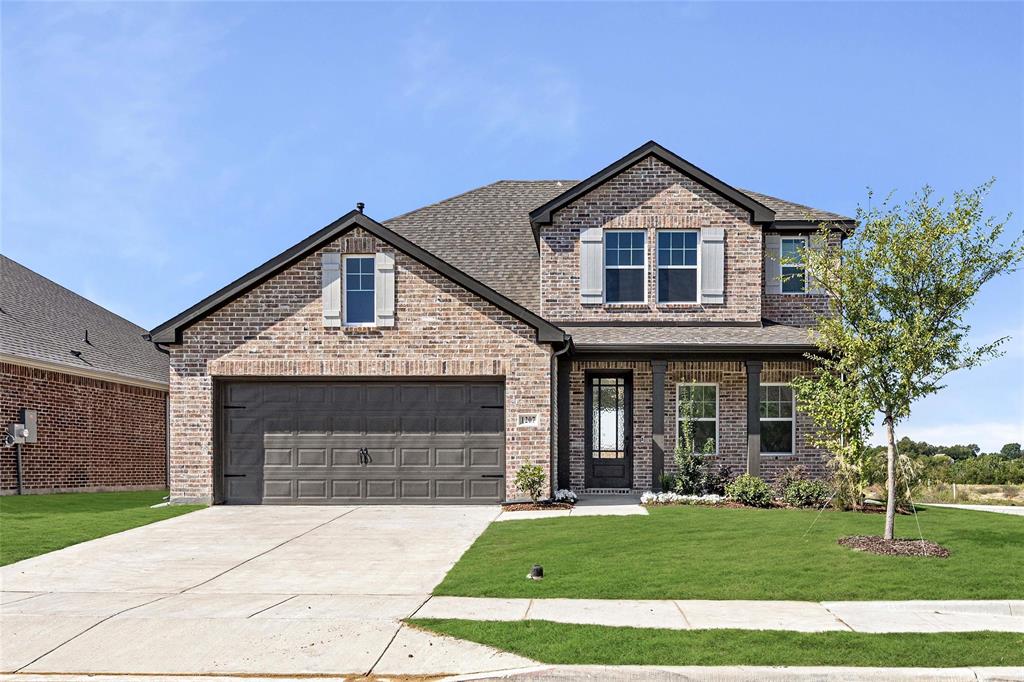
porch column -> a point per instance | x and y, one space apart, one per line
754 417
562 426
657 422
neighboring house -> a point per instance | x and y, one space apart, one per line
99 390
561 323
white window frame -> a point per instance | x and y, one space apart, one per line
605 267
344 289
658 266
783 266
718 413
791 420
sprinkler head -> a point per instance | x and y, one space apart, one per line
536 573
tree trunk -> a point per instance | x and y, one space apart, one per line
890 480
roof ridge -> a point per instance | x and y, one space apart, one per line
73 293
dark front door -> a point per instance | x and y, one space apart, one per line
609 432
363 442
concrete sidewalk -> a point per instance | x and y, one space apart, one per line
995 508
850 616
588 505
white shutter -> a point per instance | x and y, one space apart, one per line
772 264
592 265
384 289
817 243
712 265
330 278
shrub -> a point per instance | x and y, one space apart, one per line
689 473
530 479
668 481
750 490
807 493
790 476
714 482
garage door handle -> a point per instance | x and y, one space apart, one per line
492 407
234 475
492 475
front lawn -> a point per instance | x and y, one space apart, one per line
36 524
720 553
553 643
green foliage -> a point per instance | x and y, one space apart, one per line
899 290
530 479
751 491
1011 451
807 493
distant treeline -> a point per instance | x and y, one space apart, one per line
958 463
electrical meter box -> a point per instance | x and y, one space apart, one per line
28 418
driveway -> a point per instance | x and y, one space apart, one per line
272 590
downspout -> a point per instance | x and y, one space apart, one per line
167 420
552 460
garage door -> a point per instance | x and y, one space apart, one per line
410 442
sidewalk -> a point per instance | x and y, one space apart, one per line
855 616
588 505
996 508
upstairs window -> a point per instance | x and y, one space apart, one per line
794 280
776 419
677 266
359 293
625 269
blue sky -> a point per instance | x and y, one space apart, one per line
154 152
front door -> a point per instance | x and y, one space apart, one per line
609 430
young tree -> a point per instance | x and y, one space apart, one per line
899 289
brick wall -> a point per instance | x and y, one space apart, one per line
798 310
92 434
650 196
732 420
277 330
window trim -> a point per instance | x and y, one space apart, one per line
658 266
782 266
718 414
605 267
344 289
791 420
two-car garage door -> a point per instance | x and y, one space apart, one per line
362 442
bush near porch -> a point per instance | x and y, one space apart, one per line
698 552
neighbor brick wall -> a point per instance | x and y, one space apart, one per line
92 434
277 330
650 196
798 310
732 427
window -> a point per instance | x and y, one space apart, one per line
677 266
776 419
698 405
359 298
625 267
793 276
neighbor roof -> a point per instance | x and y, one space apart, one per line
764 337
42 322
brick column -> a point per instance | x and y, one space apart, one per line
754 417
657 422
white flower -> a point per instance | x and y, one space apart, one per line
564 495
651 497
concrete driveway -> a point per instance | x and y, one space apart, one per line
249 590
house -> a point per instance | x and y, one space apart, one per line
426 358
98 389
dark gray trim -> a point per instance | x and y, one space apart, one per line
844 226
655 323
648 351
759 212
170 331
658 368
754 417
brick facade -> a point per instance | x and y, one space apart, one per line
651 196
730 377
92 434
276 330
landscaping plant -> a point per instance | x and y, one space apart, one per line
751 491
899 290
530 479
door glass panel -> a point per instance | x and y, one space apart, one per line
608 417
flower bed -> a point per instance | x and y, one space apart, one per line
650 498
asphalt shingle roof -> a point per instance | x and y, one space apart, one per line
767 336
486 232
41 320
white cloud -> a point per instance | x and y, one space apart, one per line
988 435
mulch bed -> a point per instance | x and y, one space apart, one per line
535 506
898 547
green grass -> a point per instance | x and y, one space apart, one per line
36 524
549 642
716 553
